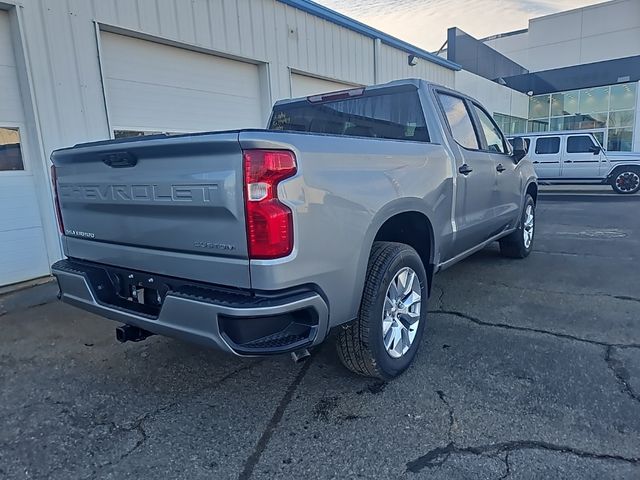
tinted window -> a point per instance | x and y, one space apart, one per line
10 151
547 145
579 144
394 115
527 143
459 121
495 140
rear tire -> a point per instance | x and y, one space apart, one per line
520 243
384 339
626 181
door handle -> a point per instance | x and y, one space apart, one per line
120 159
535 161
465 169
568 161
500 168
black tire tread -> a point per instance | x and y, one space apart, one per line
352 342
613 185
512 246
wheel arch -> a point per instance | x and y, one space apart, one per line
616 170
532 189
402 212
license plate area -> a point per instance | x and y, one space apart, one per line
141 293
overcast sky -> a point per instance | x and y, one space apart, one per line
424 22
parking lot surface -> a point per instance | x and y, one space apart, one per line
529 369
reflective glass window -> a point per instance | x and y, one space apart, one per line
492 134
564 103
623 96
623 118
547 145
579 144
459 121
594 100
539 106
620 139
10 150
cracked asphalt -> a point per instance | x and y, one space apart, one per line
529 370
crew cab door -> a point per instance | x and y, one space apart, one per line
580 157
546 156
509 191
475 176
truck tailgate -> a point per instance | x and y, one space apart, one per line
169 205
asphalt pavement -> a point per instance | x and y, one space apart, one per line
530 369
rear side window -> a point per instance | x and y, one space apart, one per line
459 121
547 145
580 144
393 115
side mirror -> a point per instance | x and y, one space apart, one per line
519 148
595 149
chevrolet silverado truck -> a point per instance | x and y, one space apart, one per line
577 158
258 242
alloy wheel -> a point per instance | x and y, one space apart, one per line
527 231
627 181
401 312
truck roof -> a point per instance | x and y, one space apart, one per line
557 132
417 82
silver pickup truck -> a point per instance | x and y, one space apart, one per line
260 242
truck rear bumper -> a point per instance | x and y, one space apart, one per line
242 323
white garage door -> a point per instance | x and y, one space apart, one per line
22 249
153 87
304 85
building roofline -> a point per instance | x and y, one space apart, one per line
359 27
502 35
574 10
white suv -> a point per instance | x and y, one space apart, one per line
577 158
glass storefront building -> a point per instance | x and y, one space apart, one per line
610 109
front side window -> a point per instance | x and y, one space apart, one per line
495 140
392 115
459 121
547 145
10 150
580 144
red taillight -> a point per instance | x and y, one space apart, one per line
54 180
269 221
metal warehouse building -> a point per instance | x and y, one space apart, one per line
78 70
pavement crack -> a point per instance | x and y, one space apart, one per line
438 456
235 372
626 297
507 472
540 331
620 372
574 254
263 441
452 419
440 295
557 292
137 426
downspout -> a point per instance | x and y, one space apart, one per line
377 49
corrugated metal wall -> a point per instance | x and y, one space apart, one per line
66 72
394 65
